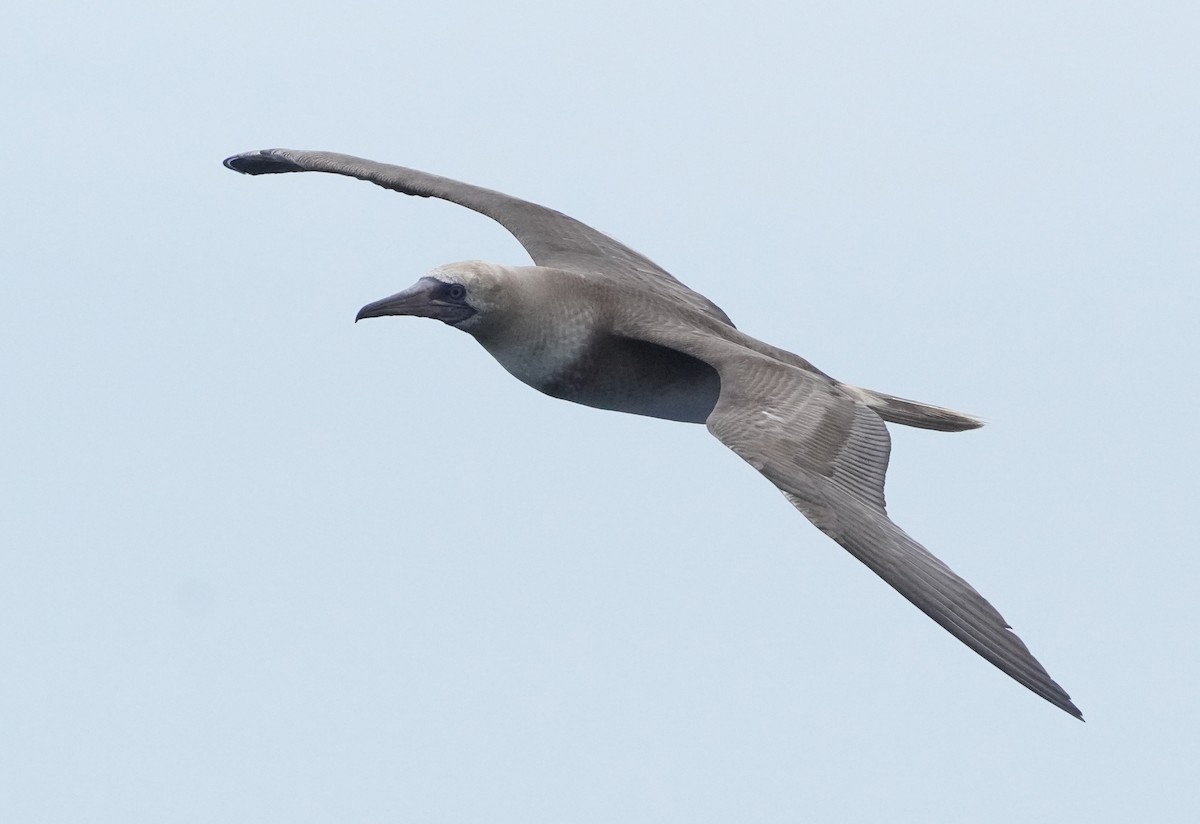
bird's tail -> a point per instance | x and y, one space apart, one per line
912 413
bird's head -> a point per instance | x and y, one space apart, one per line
468 296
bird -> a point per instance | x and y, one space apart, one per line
594 322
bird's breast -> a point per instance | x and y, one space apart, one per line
612 372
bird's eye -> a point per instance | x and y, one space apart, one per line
456 291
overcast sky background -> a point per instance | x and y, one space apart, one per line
260 564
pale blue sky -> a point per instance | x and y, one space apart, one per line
260 564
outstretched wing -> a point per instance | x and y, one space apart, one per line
551 238
828 454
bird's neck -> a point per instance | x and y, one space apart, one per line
549 334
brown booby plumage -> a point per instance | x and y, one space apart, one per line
596 323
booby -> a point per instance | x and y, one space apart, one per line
596 323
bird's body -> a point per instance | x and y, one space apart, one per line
559 334
598 324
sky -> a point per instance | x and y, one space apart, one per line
259 563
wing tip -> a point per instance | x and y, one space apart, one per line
264 162
1068 706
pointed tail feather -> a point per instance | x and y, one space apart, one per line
912 413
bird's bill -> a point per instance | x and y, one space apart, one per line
420 300
415 300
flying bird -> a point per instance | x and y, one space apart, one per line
596 323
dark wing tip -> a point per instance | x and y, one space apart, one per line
265 162
1068 706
